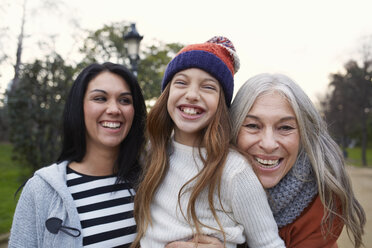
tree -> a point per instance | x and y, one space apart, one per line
3 32
35 110
3 55
52 7
35 105
19 47
362 79
3 123
107 44
152 66
348 108
338 112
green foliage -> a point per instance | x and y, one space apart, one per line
35 106
151 68
348 107
107 44
10 181
338 112
35 111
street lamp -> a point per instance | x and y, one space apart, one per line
133 39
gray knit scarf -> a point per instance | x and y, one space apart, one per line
294 192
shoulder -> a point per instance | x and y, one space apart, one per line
306 229
236 164
53 169
46 178
239 176
237 157
43 190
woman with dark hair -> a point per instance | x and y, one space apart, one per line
86 198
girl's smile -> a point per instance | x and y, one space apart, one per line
192 103
191 112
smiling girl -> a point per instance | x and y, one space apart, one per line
194 182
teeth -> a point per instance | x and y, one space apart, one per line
190 111
112 125
268 163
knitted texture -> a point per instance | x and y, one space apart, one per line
294 192
217 56
245 216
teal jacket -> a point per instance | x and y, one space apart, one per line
44 196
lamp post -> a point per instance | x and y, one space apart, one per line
133 39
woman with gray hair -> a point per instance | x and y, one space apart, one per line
287 143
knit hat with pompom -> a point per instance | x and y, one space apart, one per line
217 56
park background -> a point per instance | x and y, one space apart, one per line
323 45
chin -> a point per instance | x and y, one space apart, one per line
268 185
268 182
110 144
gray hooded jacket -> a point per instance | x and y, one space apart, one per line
45 196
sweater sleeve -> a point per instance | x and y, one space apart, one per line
252 210
24 227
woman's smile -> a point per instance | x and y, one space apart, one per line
270 137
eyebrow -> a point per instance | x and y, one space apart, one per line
287 118
209 78
180 74
104 92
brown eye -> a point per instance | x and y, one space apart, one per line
251 126
286 128
99 99
125 101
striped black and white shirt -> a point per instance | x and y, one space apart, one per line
105 209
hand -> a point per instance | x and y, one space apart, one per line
203 242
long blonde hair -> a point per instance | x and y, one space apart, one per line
215 140
326 158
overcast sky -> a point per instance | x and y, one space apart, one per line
307 40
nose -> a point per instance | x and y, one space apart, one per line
268 141
192 93
112 108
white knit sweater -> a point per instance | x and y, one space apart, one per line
247 215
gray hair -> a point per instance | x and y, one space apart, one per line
325 155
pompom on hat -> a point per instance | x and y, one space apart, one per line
217 56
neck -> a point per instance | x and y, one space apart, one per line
188 139
97 162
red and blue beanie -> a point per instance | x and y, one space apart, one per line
217 56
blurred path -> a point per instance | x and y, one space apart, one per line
3 240
361 179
